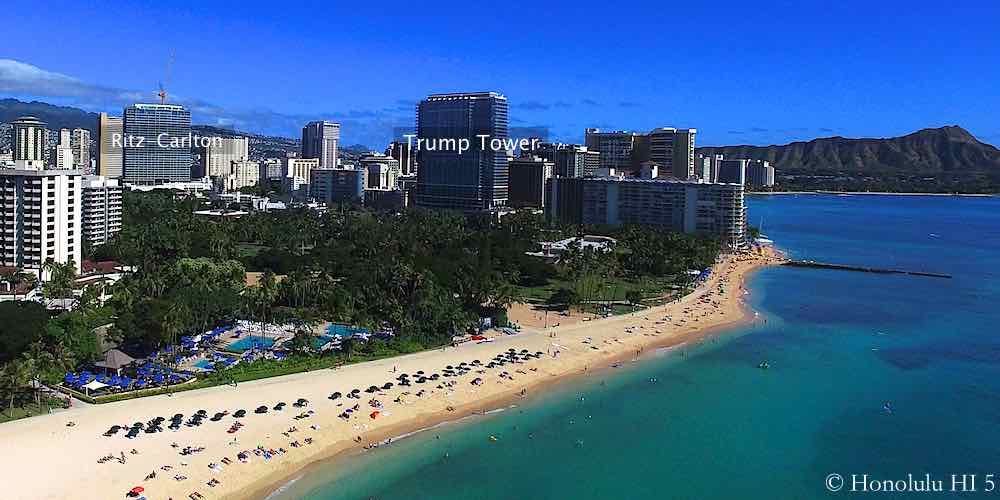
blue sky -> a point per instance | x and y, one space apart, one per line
740 72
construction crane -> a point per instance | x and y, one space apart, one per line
166 80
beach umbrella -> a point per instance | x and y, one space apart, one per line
239 413
420 372
387 385
135 491
261 409
449 367
355 391
335 395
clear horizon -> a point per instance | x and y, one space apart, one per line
740 74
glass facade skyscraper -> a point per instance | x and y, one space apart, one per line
470 180
156 144
320 140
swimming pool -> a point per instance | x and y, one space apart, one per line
248 342
205 364
321 340
345 331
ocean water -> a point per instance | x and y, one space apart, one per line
705 422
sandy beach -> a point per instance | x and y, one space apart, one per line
44 458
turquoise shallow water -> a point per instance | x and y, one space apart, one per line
710 424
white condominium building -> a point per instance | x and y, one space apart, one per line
241 174
689 207
40 219
222 152
80 144
301 167
102 208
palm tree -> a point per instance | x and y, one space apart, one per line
61 278
16 277
175 320
15 376
34 359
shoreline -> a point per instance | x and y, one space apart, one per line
872 193
577 350
268 488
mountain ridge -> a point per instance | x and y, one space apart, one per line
947 158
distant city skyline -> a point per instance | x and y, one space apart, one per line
739 73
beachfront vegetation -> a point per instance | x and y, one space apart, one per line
422 275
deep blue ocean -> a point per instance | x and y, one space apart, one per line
709 424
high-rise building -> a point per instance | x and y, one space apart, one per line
703 166
403 154
731 171
218 155
448 178
570 160
690 207
527 178
40 217
64 151
673 151
102 208
109 137
760 174
615 148
300 167
382 170
80 144
338 185
241 174
30 139
272 169
157 144
320 140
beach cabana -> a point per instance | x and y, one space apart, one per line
114 360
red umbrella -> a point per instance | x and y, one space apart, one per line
374 414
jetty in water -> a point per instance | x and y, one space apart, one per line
863 269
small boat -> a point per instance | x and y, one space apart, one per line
763 365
